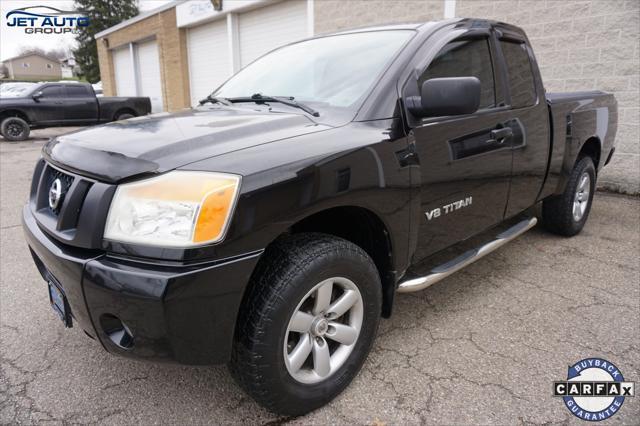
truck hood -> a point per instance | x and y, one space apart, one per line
8 100
162 142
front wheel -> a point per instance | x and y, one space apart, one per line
307 323
14 129
567 213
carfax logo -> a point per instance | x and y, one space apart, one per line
594 389
46 20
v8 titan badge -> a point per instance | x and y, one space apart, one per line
594 389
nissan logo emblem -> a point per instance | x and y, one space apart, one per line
55 194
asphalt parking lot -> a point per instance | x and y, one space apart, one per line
482 346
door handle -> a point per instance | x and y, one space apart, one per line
500 135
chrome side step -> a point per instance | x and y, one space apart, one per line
440 272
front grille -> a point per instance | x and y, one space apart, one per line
79 215
65 179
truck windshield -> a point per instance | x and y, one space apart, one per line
334 71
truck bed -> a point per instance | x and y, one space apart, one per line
577 117
111 104
559 97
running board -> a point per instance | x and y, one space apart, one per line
440 272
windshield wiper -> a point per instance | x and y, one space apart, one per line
215 100
286 100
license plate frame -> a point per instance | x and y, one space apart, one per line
59 303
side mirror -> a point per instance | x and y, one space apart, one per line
446 96
36 96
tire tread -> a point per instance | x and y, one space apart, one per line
283 260
557 211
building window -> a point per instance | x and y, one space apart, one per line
49 66
25 65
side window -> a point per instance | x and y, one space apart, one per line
52 92
521 83
77 91
465 58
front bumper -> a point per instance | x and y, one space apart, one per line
184 314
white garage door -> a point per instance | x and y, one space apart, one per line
209 59
124 72
150 83
264 29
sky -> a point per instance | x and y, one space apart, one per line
12 38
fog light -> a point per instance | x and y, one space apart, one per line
117 331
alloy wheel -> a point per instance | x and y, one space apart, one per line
323 330
581 198
15 129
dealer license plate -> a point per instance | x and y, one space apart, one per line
59 303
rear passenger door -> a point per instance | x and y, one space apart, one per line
80 104
529 117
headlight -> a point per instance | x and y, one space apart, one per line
177 209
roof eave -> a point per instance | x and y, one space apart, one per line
138 18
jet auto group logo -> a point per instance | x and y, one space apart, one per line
46 20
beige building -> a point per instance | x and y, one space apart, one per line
33 66
180 52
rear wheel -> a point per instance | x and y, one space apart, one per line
14 129
307 323
566 214
124 116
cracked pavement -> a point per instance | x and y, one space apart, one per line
483 346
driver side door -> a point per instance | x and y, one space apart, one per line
49 105
464 168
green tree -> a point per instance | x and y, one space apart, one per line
102 14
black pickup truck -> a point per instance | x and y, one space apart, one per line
271 227
25 106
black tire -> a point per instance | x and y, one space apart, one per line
288 270
124 116
15 129
558 211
